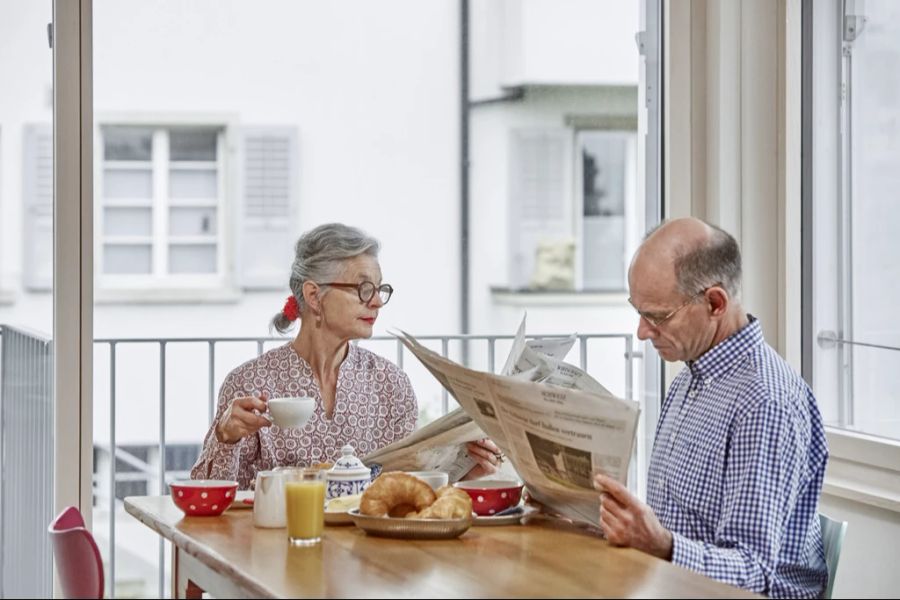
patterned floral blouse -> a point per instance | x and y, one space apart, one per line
374 406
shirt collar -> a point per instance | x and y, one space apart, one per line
721 357
350 360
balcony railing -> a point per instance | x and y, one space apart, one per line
26 463
593 352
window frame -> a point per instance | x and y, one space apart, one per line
827 337
161 284
573 212
630 200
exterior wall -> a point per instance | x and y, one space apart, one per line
377 113
552 42
373 91
29 100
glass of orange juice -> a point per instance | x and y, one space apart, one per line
304 491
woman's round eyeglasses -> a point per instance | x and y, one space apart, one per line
367 290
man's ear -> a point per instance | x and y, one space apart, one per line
717 301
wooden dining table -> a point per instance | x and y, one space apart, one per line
227 556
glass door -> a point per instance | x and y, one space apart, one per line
26 298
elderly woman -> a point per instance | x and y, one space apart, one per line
361 398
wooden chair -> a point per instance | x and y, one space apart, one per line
832 538
77 557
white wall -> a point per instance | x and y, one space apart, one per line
25 70
868 566
552 42
373 92
375 102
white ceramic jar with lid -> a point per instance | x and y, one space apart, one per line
348 476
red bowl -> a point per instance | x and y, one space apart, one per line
203 497
491 496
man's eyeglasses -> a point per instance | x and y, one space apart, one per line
367 290
658 320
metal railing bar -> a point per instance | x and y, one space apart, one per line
131 476
162 455
112 469
629 369
492 343
825 338
445 404
378 338
212 380
130 459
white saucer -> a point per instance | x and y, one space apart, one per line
507 519
239 498
338 518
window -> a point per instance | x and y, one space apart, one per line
164 199
854 337
571 205
605 160
161 195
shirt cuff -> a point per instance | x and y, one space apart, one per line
218 454
224 450
687 553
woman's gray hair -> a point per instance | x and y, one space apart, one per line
319 256
718 262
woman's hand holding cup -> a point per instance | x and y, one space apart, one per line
243 417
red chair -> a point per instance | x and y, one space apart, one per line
77 557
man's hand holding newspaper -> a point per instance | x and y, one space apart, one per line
556 424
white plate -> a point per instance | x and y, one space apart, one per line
416 529
512 518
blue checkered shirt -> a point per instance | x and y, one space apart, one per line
737 470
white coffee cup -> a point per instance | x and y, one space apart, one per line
268 500
291 412
435 479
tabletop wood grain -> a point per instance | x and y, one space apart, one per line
542 559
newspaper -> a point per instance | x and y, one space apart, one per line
556 424
439 446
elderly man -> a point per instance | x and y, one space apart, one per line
739 454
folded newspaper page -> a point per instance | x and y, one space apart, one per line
556 424
438 446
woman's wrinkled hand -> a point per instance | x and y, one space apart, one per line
487 456
243 417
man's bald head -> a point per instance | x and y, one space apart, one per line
695 254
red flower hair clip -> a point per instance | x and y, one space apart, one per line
291 310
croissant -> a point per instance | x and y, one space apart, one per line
396 495
451 503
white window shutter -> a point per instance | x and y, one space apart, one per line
540 196
37 196
268 208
